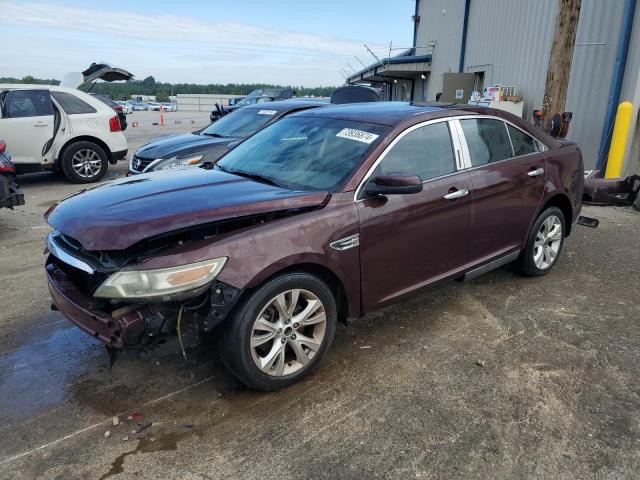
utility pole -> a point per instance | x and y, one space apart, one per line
564 39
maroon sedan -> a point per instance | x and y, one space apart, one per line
323 216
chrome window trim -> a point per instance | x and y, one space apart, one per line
465 148
394 142
457 134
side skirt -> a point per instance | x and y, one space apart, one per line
487 267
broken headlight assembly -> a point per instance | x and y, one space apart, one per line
178 162
142 284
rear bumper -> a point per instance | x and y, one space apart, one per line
10 194
73 305
116 156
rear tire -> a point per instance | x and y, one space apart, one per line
544 244
84 162
270 343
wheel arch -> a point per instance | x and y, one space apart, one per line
557 199
561 201
323 272
81 138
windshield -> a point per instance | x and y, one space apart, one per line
305 153
241 123
246 101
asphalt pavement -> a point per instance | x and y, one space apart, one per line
503 377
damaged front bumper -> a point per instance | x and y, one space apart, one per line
134 325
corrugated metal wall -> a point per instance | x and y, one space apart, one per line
510 41
440 20
591 72
631 93
513 39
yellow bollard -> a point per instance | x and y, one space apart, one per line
619 140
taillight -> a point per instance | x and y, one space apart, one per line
3 146
114 124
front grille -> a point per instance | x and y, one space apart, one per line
86 283
138 163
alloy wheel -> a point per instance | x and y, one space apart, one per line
86 163
288 332
548 242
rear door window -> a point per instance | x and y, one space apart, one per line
487 139
27 103
523 144
72 104
426 151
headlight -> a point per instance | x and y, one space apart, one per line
132 284
177 162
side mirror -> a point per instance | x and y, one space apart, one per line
394 184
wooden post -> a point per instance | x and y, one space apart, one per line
564 39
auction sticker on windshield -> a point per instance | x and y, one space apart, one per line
357 135
267 112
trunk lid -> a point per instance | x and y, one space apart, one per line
97 71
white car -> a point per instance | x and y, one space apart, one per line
57 128
153 106
168 107
127 108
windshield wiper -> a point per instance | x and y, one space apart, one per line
253 176
217 135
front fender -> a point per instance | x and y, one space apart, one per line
257 253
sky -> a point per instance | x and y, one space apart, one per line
216 41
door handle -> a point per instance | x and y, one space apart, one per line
463 192
535 173
40 124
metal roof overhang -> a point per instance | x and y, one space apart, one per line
396 67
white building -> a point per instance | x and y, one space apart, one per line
508 42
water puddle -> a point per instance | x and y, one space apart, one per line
38 374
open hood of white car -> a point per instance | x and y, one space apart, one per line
97 71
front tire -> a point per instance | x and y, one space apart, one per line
84 162
544 244
280 332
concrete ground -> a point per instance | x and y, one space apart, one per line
505 377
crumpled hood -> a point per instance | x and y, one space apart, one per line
178 145
116 215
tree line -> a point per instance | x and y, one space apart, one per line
162 90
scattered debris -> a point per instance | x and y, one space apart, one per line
610 191
107 434
480 363
115 421
143 427
125 438
365 346
136 416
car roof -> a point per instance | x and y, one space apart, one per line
382 113
286 105
32 86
